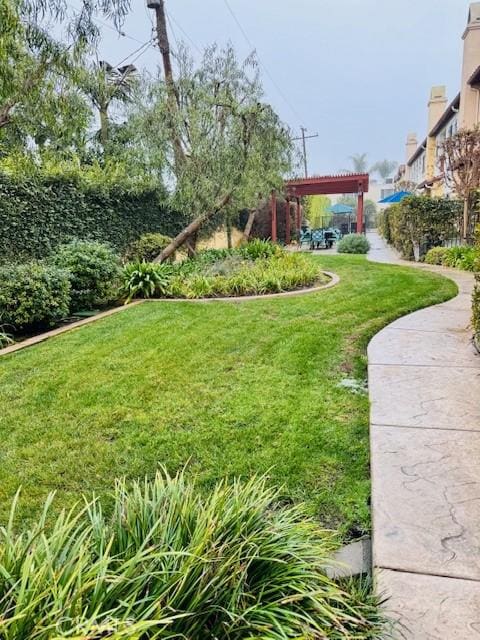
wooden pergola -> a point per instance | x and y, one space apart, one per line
355 183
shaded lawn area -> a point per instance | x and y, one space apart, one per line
229 389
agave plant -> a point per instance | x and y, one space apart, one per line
145 280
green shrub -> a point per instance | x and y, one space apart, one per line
476 291
33 294
282 272
457 257
436 255
145 280
94 272
257 248
147 247
460 258
353 243
237 564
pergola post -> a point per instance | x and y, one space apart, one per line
299 219
360 210
274 215
287 221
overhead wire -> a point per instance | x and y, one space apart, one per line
262 64
182 30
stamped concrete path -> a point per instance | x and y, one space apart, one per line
424 381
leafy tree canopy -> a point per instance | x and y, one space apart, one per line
233 146
317 211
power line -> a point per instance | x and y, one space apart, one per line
180 28
267 72
119 32
145 45
172 30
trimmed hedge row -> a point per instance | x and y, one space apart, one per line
476 293
420 222
37 214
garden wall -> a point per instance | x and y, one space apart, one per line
36 214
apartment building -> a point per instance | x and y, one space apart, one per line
423 167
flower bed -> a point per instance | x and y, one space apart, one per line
258 268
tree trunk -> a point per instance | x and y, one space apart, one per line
192 228
103 127
248 227
192 244
228 224
466 208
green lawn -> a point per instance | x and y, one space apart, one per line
228 389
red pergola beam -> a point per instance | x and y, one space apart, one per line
328 185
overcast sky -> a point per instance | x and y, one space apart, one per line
357 72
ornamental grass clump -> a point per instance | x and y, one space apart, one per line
236 277
457 257
168 563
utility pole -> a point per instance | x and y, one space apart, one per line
172 92
303 138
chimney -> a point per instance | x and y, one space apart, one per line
411 145
471 61
436 105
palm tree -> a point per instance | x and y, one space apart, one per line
105 84
359 162
385 168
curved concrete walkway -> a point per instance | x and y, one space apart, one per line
424 381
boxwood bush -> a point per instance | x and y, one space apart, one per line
147 247
353 243
436 255
33 294
235 564
94 270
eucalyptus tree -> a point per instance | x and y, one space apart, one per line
233 145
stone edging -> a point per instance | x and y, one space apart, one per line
29 342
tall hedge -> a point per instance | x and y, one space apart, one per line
422 221
476 291
37 214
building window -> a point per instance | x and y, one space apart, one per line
384 193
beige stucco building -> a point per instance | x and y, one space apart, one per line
423 167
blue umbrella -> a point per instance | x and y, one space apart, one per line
395 197
340 209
